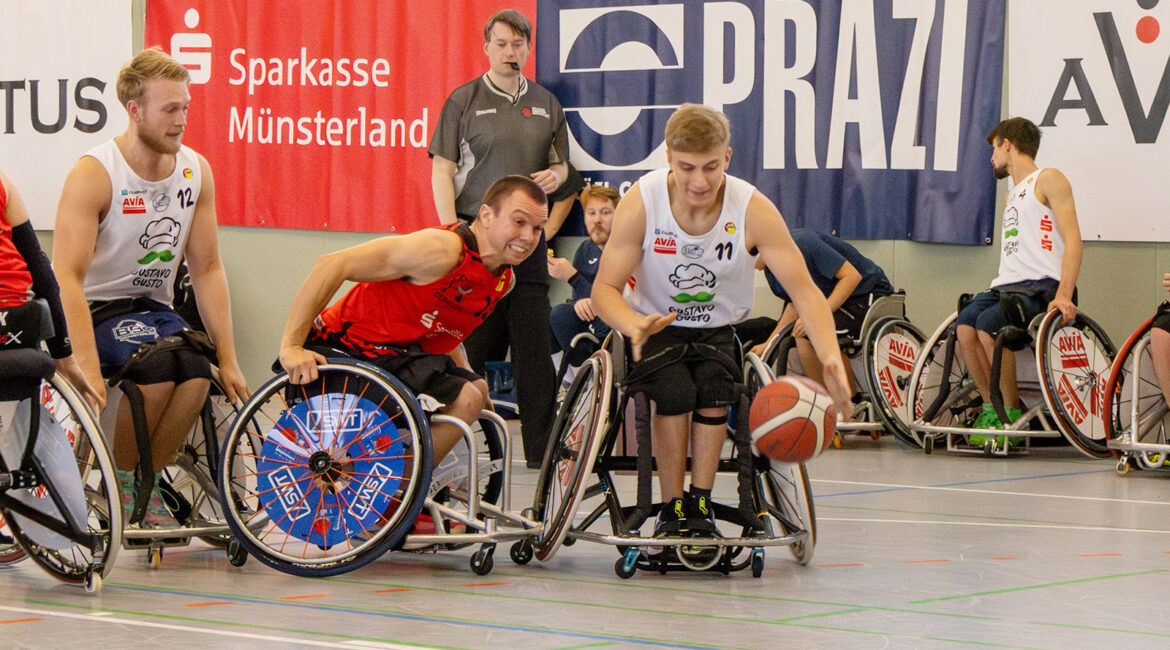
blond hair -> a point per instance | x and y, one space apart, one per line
148 64
697 129
598 191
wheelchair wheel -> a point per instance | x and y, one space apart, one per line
788 499
10 552
940 387
891 348
1132 395
78 490
340 469
188 488
1073 360
576 437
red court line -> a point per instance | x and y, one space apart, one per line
1099 555
829 566
300 597
487 584
221 602
21 620
389 591
924 561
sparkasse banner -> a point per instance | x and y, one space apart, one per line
316 114
58 68
1096 78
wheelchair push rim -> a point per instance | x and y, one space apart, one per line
1074 360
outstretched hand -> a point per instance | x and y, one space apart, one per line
234 385
96 396
837 383
300 364
647 327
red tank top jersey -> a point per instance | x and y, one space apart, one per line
373 316
15 281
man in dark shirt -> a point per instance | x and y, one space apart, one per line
498 124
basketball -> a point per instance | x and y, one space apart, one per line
792 419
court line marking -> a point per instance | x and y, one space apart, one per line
893 487
184 628
938 522
986 644
1045 585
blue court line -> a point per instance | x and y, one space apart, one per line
408 617
945 485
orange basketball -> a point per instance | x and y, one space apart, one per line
792 419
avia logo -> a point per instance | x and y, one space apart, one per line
193 50
133 205
665 245
1145 125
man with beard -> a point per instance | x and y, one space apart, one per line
1040 258
569 319
131 210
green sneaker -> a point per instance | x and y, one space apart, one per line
988 419
129 492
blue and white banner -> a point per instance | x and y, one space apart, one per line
863 118
1096 78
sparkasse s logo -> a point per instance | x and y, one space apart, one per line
193 50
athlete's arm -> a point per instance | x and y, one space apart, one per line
767 233
1054 190
620 257
420 257
84 201
550 179
209 280
443 188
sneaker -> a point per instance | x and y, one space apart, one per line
424 524
988 419
129 493
860 412
700 514
157 515
671 518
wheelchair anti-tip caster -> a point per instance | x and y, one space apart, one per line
521 552
481 560
627 565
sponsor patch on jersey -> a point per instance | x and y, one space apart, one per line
539 111
665 245
161 202
187 173
131 331
526 112
693 251
729 227
133 205
486 111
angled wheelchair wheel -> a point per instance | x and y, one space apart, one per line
77 506
323 478
776 353
1074 359
788 500
1134 404
941 393
10 552
188 487
891 349
576 438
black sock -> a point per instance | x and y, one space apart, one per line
697 492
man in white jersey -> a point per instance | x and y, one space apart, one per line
1039 262
132 209
684 242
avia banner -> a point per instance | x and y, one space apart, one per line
316 114
58 68
1096 78
862 118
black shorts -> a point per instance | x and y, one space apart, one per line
850 316
688 368
1162 318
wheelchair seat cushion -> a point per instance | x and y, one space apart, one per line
21 371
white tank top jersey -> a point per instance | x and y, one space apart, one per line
1032 247
709 279
141 241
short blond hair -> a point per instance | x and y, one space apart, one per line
599 191
151 63
697 129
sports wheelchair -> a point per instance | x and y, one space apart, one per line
323 478
59 496
1061 370
1137 421
593 438
882 358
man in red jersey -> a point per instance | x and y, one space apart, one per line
418 296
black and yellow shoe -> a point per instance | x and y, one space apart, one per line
671 519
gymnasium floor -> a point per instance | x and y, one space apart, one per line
1048 551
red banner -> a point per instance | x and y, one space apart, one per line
316 114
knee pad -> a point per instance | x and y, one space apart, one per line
712 420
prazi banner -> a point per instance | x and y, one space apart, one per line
863 118
1096 78
316 114
58 67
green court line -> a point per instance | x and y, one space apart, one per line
985 644
972 518
1092 628
261 600
249 626
581 647
853 610
1039 586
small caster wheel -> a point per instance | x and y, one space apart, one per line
236 554
521 552
627 565
875 435
154 557
989 448
928 444
93 583
481 561
1123 465
757 563
569 540
837 443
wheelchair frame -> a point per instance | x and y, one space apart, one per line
1126 402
